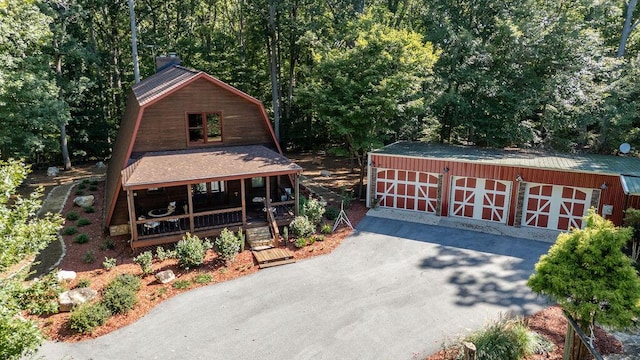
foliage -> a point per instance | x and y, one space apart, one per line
632 219
108 243
72 215
227 245
163 254
79 192
119 296
69 230
586 272
191 250
41 297
301 227
83 222
314 210
89 209
346 196
318 237
82 283
109 263
181 284
507 338
332 213
145 260
326 229
300 242
285 234
89 257
202 278
81 239
87 317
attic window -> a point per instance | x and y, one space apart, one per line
204 128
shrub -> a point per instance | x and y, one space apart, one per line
83 283
301 227
318 237
84 182
89 209
300 242
181 284
227 245
314 210
108 243
326 229
69 230
109 263
285 235
42 296
507 338
202 278
79 192
311 239
191 251
88 316
72 215
163 254
145 260
81 239
93 187
83 222
89 257
120 294
331 213
93 182
82 186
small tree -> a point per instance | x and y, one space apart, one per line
227 245
587 273
632 219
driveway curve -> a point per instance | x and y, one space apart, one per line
392 290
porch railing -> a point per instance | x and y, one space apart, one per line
176 224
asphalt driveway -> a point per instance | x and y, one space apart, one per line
393 290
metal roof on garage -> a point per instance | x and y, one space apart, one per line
629 166
630 184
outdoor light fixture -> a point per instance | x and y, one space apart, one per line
445 170
604 186
519 178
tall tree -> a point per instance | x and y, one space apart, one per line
630 23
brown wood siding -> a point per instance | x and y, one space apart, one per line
121 210
163 124
613 195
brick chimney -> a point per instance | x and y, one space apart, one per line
165 61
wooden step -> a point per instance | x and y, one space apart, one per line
273 257
259 237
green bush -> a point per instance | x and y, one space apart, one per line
81 239
89 257
301 227
87 317
84 182
69 230
83 283
119 296
314 210
191 251
89 209
109 263
82 186
108 243
300 242
145 260
181 284
507 338
93 182
93 187
42 296
79 192
318 237
72 215
326 229
202 278
227 245
162 254
331 213
83 222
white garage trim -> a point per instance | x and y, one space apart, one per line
481 199
410 190
555 207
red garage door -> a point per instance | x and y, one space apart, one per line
482 199
410 190
555 207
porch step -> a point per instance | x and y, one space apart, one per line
259 237
273 257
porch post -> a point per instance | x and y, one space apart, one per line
244 204
297 195
132 217
190 202
267 196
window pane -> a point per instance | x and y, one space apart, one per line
200 188
257 182
213 128
195 128
195 121
217 186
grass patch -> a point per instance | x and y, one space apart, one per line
107 244
181 284
89 257
202 278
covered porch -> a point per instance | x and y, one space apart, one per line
203 191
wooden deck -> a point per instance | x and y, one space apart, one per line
273 257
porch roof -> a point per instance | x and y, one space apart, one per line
169 168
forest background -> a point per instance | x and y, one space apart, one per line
347 75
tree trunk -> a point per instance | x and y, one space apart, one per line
628 27
64 148
273 62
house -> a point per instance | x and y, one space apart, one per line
512 187
194 154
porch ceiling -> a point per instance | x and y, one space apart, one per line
187 166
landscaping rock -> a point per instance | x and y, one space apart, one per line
53 171
100 165
165 277
68 299
83 200
66 275
326 173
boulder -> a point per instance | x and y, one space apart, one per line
165 277
66 275
53 171
83 200
68 299
326 173
100 165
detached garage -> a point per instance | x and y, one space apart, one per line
513 187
